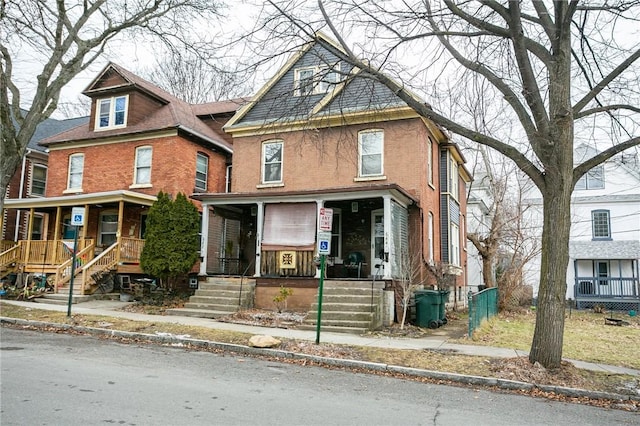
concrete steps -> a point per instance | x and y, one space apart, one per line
61 298
218 297
347 307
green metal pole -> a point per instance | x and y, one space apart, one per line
322 259
73 270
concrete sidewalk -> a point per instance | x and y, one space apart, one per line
111 308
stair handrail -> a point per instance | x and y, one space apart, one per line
11 255
102 262
61 279
241 283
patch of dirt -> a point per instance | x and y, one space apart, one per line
522 370
264 318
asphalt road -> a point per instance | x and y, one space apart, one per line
59 379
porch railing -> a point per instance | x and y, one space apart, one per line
304 265
9 257
6 245
130 250
49 252
63 271
594 287
104 262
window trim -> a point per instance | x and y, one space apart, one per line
70 173
429 161
204 183
263 162
33 180
593 224
454 176
361 175
101 232
112 113
430 236
320 79
588 182
137 167
455 245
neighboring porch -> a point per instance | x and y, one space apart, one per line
101 251
612 284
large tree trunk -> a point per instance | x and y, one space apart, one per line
488 275
546 347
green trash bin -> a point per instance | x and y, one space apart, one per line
427 308
444 297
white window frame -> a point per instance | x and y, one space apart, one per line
102 232
597 223
379 152
78 174
593 179
138 166
454 187
200 183
323 79
34 180
430 236
429 161
111 117
454 257
265 163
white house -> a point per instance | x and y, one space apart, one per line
604 245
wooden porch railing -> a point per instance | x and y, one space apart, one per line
6 245
304 265
130 250
104 262
9 257
63 271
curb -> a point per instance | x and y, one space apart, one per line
332 362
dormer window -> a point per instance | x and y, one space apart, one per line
111 112
316 80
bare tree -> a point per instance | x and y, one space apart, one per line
67 37
410 278
553 72
195 80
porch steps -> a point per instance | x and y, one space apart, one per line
218 297
62 299
347 307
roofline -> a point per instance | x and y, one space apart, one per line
81 199
327 194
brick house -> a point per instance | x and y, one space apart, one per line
320 134
29 181
139 140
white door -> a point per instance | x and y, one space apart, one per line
377 241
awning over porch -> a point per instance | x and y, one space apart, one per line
80 199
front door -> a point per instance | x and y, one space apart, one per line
377 241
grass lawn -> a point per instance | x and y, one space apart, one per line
586 337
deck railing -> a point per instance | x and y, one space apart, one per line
608 287
63 271
100 264
8 257
6 245
130 250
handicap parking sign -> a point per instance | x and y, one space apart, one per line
77 216
324 242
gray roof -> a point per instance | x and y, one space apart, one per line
604 249
50 127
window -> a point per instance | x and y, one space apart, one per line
143 165
593 179
430 231
316 80
38 225
601 224
202 167
272 162
112 112
455 245
108 228
38 180
76 167
429 161
453 178
303 81
370 148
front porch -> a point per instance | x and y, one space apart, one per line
53 260
610 293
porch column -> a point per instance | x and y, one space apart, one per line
204 239
259 229
388 261
83 235
319 205
56 233
119 231
29 231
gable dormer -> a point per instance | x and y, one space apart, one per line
120 99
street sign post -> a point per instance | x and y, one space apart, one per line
77 220
325 225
